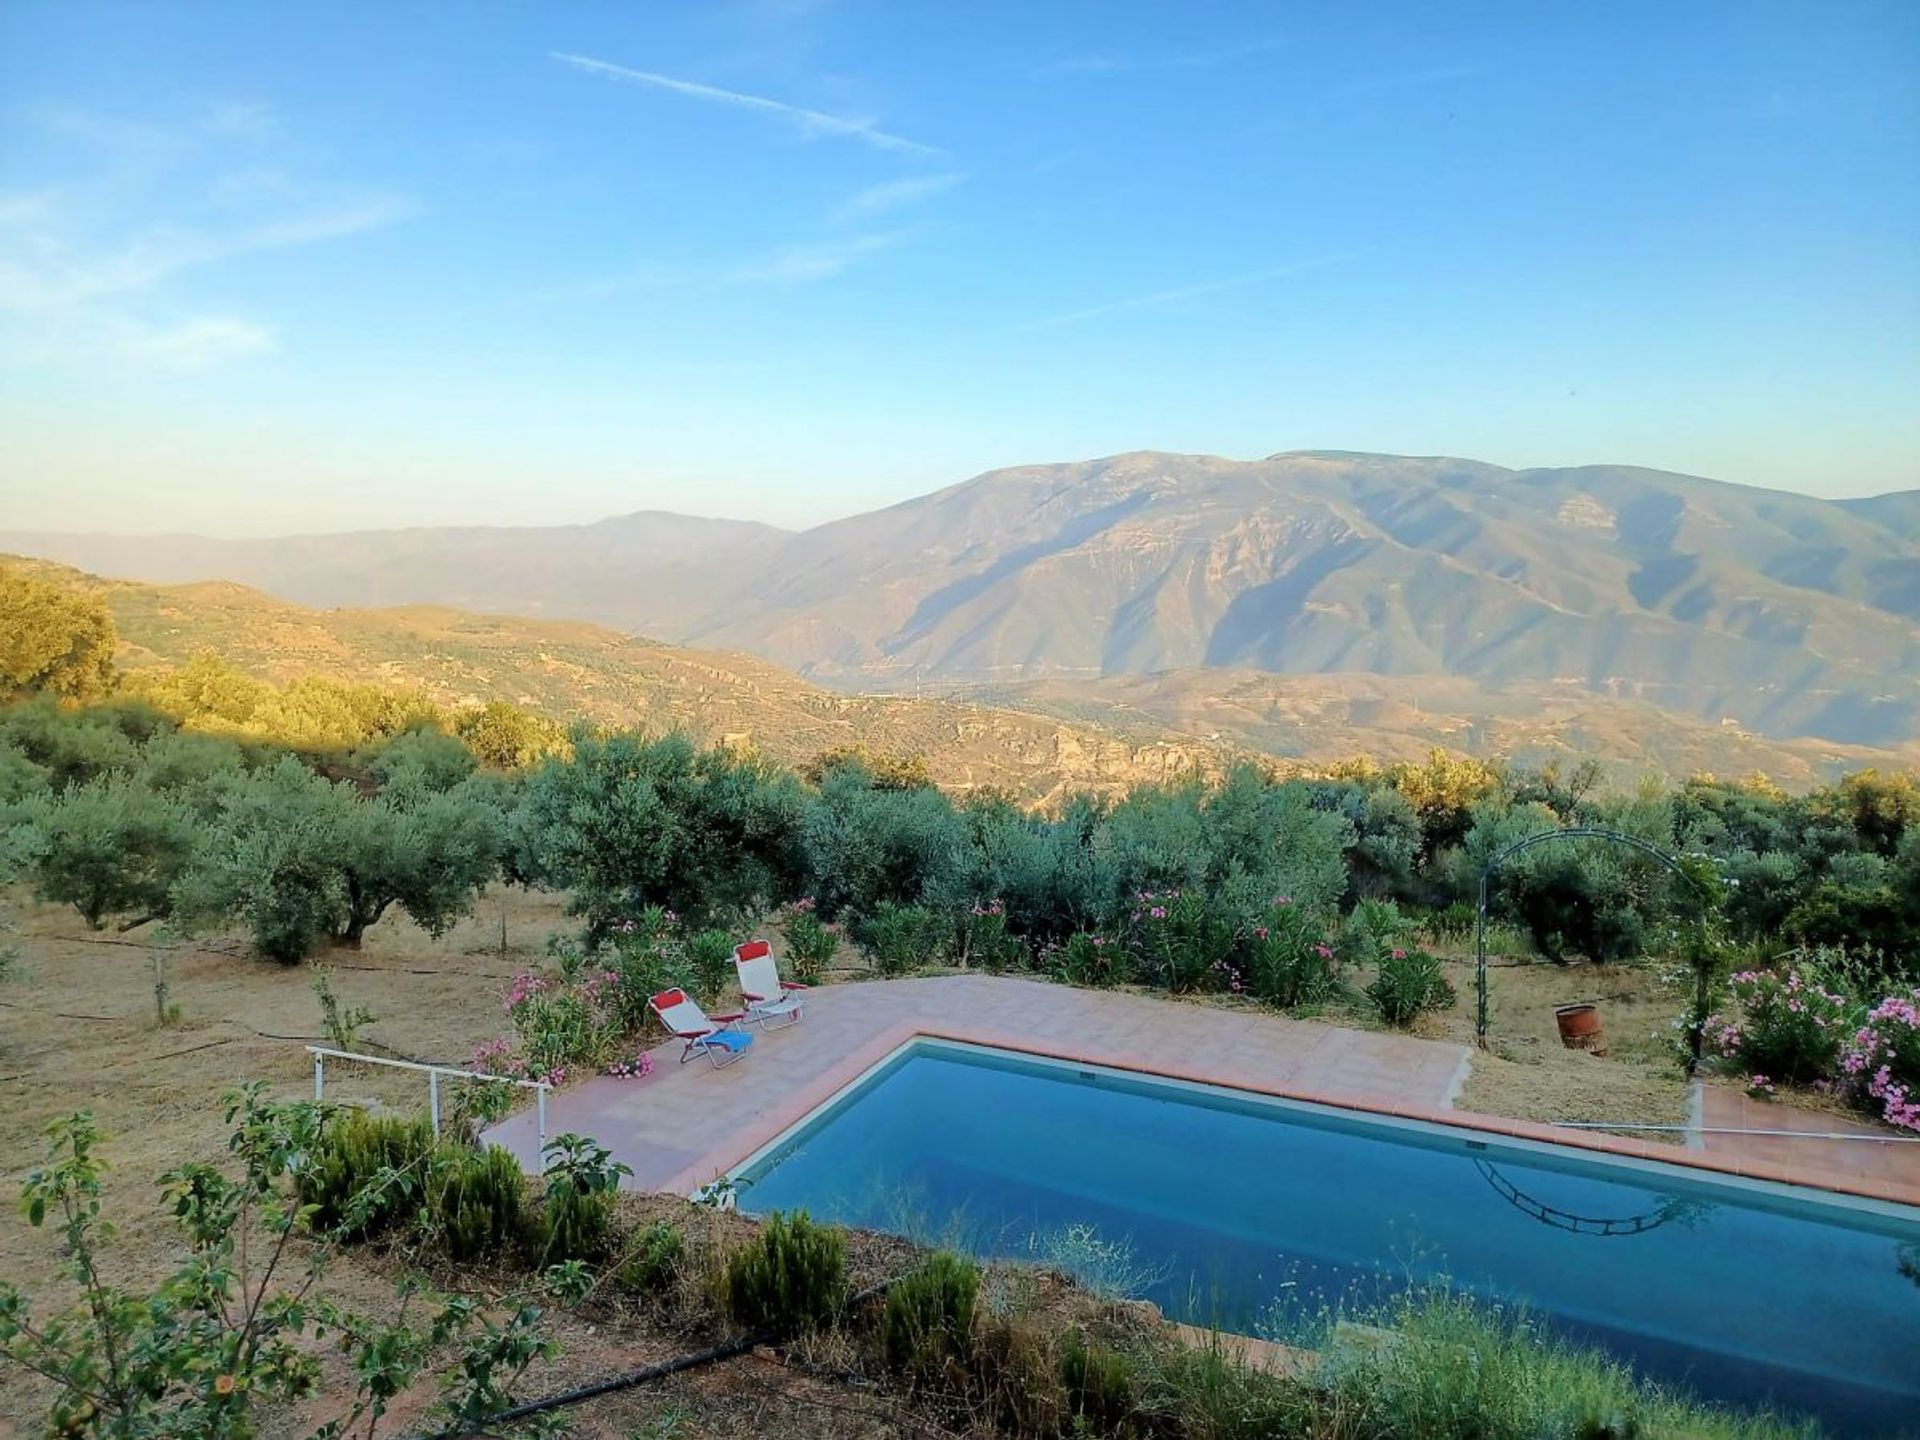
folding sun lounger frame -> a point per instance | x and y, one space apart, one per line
768 997
709 1035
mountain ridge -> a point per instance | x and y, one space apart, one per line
1788 614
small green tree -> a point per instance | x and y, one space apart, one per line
111 847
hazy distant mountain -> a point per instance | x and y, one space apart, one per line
1786 614
1314 718
648 572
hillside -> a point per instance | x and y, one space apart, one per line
573 671
1788 615
1394 718
1037 739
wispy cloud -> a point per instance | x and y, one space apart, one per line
1099 63
896 195
93 268
1158 298
199 344
800 264
45 271
787 265
811 123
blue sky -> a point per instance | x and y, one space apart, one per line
291 267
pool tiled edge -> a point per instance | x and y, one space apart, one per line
727 1156
683 1126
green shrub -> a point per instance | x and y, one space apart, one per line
477 1199
1286 960
1182 941
1453 1367
1788 1029
566 1024
926 1332
650 1257
1093 960
792 1277
982 939
810 944
1209 1392
710 963
576 1218
1101 1387
648 958
366 1173
1409 984
899 938
1452 924
1372 930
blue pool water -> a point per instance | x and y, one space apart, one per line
1255 1215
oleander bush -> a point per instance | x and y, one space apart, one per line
1408 985
810 945
563 1026
1788 1029
1181 940
1287 960
710 965
900 939
1882 1060
1096 960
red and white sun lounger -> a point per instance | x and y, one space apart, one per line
705 1034
768 997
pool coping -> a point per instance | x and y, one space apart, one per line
724 1158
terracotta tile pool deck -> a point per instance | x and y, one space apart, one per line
688 1124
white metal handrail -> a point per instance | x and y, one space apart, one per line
433 1073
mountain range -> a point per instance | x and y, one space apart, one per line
1036 740
1779 614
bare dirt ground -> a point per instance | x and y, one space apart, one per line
1527 1074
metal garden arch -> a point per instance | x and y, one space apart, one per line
1578 832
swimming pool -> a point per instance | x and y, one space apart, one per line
1255 1214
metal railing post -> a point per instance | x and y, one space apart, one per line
540 1104
319 1077
433 1100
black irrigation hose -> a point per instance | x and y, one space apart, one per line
631 1378
602 1387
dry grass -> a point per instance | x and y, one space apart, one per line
78 1031
1528 1074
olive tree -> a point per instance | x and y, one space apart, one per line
302 859
113 846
